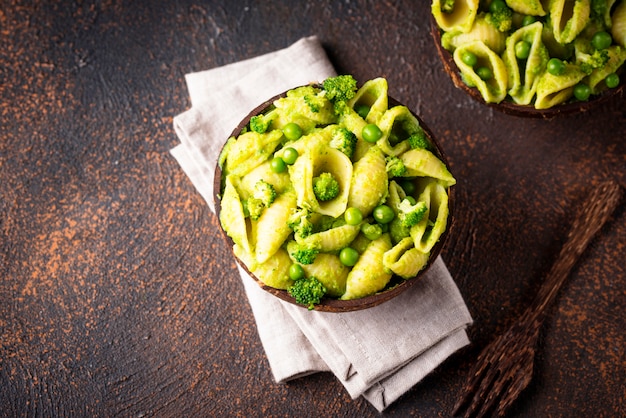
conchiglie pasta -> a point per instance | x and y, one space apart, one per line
397 125
494 89
528 7
423 163
552 89
524 74
428 231
250 150
330 160
329 270
271 229
274 272
333 239
232 217
617 56
368 275
618 24
569 18
372 94
460 18
481 31
404 259
280 181
369 181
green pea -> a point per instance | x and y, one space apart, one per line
469 58
528 20
290 155
484 73
371 133
556 66
408 186
296 272
497 6
383 214
601 40
353 216
582 92
348 256
292 131
612 80
522 50
278 165
362 110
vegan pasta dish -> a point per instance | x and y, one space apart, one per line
330 192
539 53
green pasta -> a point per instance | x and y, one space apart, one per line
272 209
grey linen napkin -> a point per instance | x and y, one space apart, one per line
378 353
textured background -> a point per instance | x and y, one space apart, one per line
118 296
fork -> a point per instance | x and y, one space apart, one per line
504 368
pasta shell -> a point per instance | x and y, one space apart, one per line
232 217
369 182
404 259
617 56
527 7
461 18
397 124
280 181
374 95
271 230
524 75
481 31
329 270
423 163
428 231
250 150
339 165
333 239
553 90
368 275
274 272
618 24
569 18
493 90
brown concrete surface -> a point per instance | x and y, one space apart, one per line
118 296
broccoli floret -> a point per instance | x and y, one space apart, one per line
303 253
447 6
339 90
265 192
344 141
411 214
307 291
419 140
325 187
262 197
395 166
500 15
598 59
300 222
259 124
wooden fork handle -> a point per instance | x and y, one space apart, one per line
595 212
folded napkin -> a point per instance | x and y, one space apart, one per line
378 353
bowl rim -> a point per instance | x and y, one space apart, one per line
509 107
331 304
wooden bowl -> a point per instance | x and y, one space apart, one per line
394 288
510 107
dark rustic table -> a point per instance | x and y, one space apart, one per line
118 296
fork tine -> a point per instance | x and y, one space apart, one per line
524 377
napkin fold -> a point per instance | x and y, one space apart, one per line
378 353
